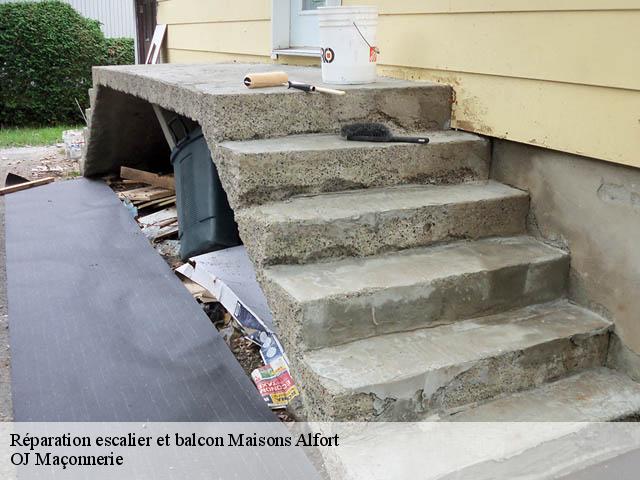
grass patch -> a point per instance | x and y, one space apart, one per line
29 137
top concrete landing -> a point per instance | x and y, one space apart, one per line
227 79
215 96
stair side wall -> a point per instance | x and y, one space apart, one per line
592 209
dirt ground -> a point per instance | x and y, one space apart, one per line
37 162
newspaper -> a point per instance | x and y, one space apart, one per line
275 384
229 277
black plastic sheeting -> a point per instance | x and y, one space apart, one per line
100 327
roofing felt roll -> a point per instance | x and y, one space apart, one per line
100 327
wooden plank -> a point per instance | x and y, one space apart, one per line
156 194
165 232
155 48
146 194
164 126
161 202
26 185
162 181
158 217
169 201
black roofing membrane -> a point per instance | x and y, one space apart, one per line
100 327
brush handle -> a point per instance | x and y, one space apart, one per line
422 140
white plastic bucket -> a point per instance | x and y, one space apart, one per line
348 42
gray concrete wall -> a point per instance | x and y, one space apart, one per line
592 209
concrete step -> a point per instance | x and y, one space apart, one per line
259 171
368 222
596 395
215 96
405 376
545 433
543 451
324 304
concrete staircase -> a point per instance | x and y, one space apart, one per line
401 278
404 285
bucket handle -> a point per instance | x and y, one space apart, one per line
375 49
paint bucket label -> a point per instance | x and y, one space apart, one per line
373 54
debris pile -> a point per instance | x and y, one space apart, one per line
246 313
151 198
54 165
223 282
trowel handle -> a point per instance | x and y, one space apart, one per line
422 140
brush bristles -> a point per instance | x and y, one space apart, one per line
365 130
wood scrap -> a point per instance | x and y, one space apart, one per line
26 185
156 218
166 223
160 203
145 194
162 181
169 201
165 232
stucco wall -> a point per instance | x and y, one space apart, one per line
591 208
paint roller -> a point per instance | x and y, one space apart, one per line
279 79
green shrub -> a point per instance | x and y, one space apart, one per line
47 50
120 51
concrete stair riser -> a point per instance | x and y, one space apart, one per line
371 222
445 387
414 289
275 169
598 395
513 372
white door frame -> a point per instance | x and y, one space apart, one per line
281 31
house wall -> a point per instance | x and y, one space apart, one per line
558 74
217 30
562 74
592 209
117 16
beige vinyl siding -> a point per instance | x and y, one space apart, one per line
562 74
